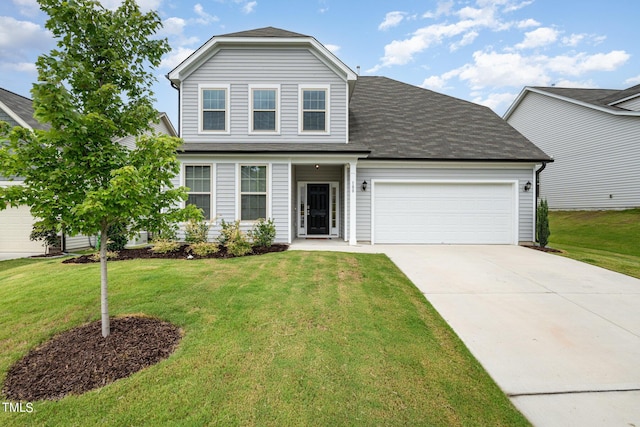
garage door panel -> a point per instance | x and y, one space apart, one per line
15 228
444 213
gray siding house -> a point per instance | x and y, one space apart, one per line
276 126
593 136
16 223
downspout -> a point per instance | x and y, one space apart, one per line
537 191
176 87
536 195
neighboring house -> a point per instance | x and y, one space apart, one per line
276 126
16 223
593 136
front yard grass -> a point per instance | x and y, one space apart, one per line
608 239
294 338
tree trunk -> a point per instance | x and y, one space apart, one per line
104 303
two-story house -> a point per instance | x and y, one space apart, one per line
594 138
276 126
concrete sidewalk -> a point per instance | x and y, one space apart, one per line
560 337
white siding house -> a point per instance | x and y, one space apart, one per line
593 136
276 126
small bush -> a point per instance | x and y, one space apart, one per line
204 248
50 237
196 231
110 255
233 239
117 237
542 223
164 246
263 233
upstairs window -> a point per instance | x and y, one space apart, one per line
264 109
198 181
215 115
314 112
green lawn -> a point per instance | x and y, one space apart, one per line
294 338
609 239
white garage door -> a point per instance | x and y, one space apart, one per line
15 228
456 213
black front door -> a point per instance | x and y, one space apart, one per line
318 209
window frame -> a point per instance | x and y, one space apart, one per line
252 89
227 110
211 191
327 110
266 193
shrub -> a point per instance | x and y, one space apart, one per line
204 248
50 237
117 237
263 233
164 246
196 231
542 223
110 255
233 239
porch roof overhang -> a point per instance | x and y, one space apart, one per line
295 149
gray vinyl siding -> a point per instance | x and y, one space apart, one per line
7 118
239 68
596 154
525 199
632 104
225 188
280 200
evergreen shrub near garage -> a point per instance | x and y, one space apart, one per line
542 223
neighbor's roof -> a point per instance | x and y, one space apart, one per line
599 99
20 109
401 121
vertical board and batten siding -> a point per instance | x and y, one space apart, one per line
525 199
596 154
243 67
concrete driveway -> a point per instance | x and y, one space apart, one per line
560 337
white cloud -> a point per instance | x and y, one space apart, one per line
391 19
145 5
249 7
20 67
27 7
204 18
18 35
333 48
173 26
542 36
633 80
527 23
496 101
466 40
175 57
573 40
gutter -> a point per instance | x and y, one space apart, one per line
176 87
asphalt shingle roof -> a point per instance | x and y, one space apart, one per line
21 106
400 121
264 32
598 97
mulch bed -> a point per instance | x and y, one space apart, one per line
182 253
541 249
80 359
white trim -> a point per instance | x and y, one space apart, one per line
212 184
275 87
352 204
327 114
291 224
14 116
238 192
301 188
347 197
524 91
513 182
227 116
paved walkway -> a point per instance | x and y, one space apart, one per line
560 337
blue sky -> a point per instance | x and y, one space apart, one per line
484 51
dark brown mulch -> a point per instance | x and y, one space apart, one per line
80 359
182 253
542 249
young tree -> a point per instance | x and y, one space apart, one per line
542 223
93 89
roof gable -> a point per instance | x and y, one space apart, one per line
401 121
20 109
268 36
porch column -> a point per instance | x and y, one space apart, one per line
352 203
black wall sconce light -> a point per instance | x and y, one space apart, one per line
527 186
364 185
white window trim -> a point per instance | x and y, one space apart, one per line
239 192
264 132
227 116
327 89
212 175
